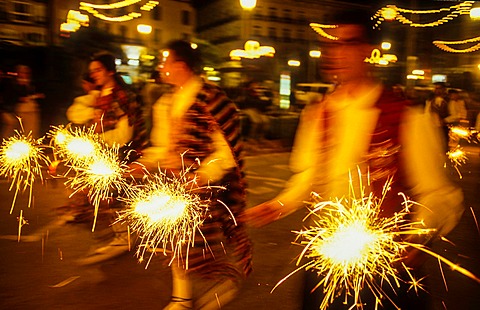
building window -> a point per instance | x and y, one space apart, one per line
287 34
21 11
300 34
34 37
287 14
272 32
185 18
157 35
272 12
257 30
123 31
157 13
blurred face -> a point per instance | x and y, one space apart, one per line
100 75
170 68
344 58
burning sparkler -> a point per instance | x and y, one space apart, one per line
21 160
101 178
76 146
351 247
166 212
457 157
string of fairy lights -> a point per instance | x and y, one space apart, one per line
93 9
387 13
393 12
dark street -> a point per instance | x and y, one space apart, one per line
43 274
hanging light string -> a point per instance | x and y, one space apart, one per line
319 29
443 45
93 9
117 5
391 12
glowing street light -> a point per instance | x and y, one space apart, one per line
315 53
475 13
294 63
252 50
144 29
248 4
386 46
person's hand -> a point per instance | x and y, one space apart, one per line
264 213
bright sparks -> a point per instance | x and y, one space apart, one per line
77 147
351 247
21 160
166 212
101 178
457 157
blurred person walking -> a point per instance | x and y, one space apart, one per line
153 89
81 111
21 101
197 123
117 117
363 126
437 108
456 108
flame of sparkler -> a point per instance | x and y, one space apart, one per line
351 247
457 157
21 160
76 146
101 178
166 213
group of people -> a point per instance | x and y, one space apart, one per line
447 109
362 126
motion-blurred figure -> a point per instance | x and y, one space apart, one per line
437 108
456 108
118 118
20 101
200 122
362 126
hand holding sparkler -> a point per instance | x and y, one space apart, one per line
265 213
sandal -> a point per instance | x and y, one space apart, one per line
185 303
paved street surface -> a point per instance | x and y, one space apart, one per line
43 274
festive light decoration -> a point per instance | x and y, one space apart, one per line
116 5
443 45
318 28
93 9
252 50
391 12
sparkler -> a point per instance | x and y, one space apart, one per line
458 157
166 212
78 146
351 247
21 160
101 177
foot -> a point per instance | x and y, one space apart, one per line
179 303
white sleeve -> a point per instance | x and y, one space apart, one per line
121 134
213 167
303 160
441 201
81 111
